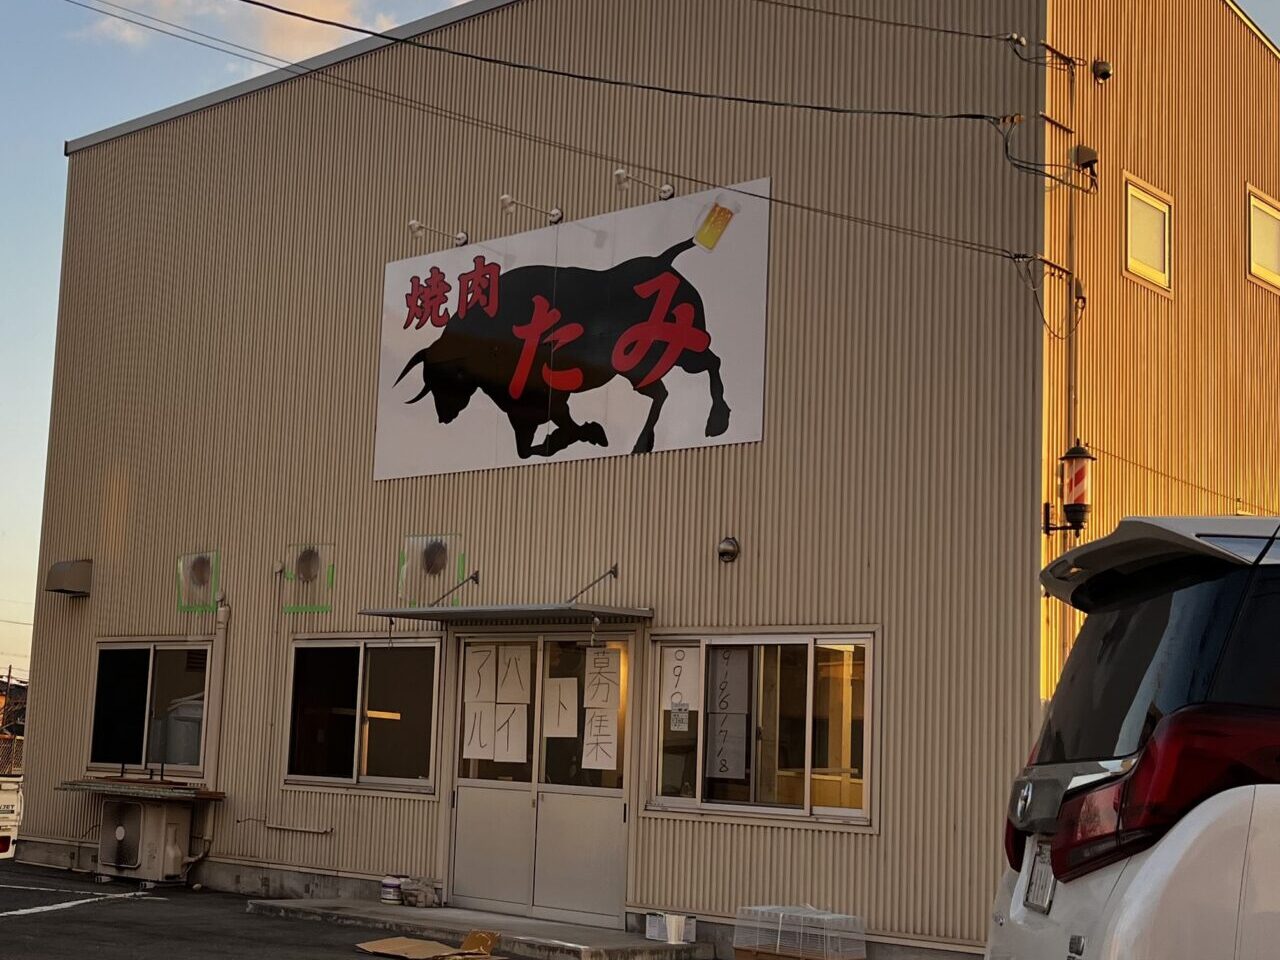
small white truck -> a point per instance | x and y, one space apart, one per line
10 814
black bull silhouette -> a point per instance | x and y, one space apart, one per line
483 352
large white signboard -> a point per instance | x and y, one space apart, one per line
630 332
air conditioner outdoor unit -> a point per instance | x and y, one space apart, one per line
144 839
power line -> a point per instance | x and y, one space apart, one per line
615 81
899 24
385 96
17 623
1187 483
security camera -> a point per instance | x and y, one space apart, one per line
1102 71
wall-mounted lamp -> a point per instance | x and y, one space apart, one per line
1102 71
1077 491
509 204
728 549
418 229
622 179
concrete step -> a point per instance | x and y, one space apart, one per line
526 938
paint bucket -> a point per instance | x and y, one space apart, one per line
391 890
675 928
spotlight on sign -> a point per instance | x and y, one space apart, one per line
1077 490
728 550
623 179
418 230
510 203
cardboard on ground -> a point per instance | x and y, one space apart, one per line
479 943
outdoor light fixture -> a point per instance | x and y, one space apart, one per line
418 229
623 179
1102 71
728 549
509 204
1077 482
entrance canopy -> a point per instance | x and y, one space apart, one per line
543 613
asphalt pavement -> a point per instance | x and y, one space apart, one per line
56 915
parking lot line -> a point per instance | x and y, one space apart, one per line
95 898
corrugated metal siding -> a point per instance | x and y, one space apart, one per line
217 351
1176 391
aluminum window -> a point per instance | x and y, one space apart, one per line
1148 233
765 723
1264 239
364 711
149 705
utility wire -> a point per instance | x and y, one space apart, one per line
17 623
899 24
615 81
1187 483
420 106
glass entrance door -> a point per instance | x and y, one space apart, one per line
540 818
580 846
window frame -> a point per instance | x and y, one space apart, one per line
212 691
363 645
1157 199
863 816
1256 199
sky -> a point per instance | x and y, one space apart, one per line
64 72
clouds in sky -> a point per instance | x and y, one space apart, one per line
279 36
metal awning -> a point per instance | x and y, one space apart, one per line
545 613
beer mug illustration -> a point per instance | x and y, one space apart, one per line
715 222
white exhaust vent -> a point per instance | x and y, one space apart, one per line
198 576
430 565
308 578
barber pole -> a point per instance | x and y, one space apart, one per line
1077 478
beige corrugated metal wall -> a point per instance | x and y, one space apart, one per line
1176 390
214 389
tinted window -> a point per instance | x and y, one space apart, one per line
1250 670
120 706
399 694
322 736
1150 645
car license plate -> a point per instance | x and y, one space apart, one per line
1040 884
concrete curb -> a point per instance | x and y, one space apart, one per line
372 916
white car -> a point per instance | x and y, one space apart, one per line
1146 824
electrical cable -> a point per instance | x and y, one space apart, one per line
884 22
17 623
973 246
1093 448
615 81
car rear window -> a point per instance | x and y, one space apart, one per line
1152 643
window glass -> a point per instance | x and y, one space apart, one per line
584 713
1249 673
1148 229
120 706
1149 645
680 699
839 725
322 734
499 690
756 698
177 706
1264 240
399 685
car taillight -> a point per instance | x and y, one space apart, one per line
1193 754
4 844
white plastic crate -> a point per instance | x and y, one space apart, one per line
799 932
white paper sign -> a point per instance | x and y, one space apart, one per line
726 746
603 679
679 718
479 682
600 740
669 293
511 733
477 731
681 678
560 707
513 674
729 690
